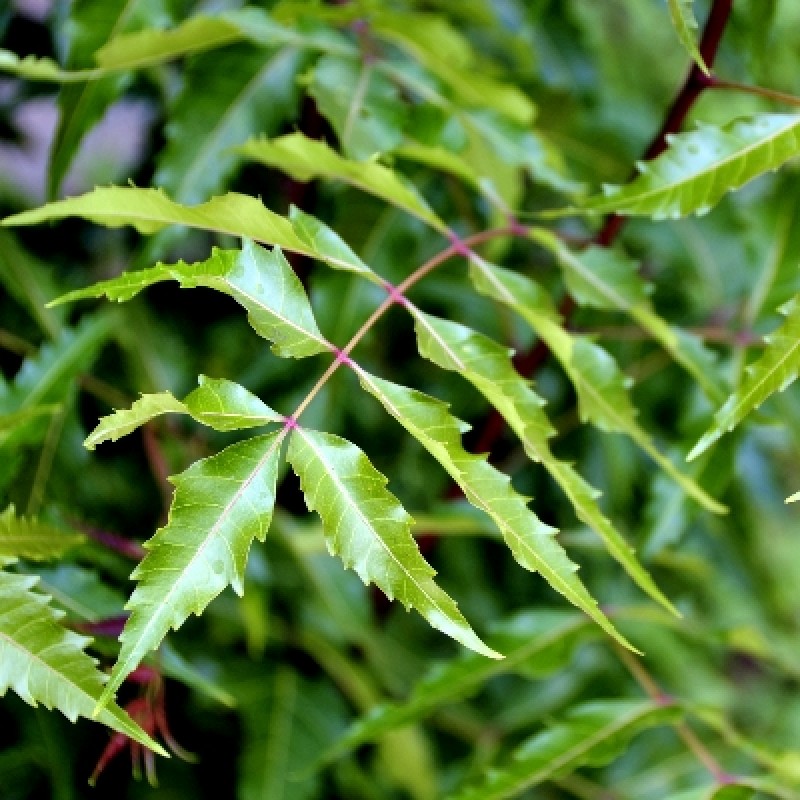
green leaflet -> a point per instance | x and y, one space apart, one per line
541 640
45 663
700 167
530 540
222 405
366 526
261 281
288 720
602 278
601 387
305 159
90 24
715 792
685 24
150 210
26 537
363 106
591 734
41 69
487 366
772 372
220 505
448 54
227 97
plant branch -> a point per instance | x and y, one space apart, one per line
760 91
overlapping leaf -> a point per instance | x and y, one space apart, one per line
220 505
700 167
32 538
261 281
538 642
601 387
591 734
487 365
366 526
772 372
218 403
44 663
530 540
305 159
600 277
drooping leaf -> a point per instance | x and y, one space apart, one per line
540 642
601 387
227 97
772 372
531 541
32 538
260 280
47 378
487 366
220 505
700 167
366 526
363 106
285 728
591 734
600 277
45 663
447 53
91 23
305 159
683 20
218 403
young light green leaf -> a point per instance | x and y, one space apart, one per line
591 734
366 526
531 541
700 167
45 663
220 505
363 106
487 366
305 159
600 277
28 537
601 387
41 69
222 405
685 24
774 370
540 641
260 280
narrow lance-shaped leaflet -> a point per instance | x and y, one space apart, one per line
530 540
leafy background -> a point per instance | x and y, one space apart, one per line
260 687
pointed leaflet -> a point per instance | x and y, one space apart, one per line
220 505
685 24
599 277
40 69
91 23
540 641
28 537
772 372
700 167
591 734
45 663
150 210
601 387
220 404
366 526
488 367
530 540
258 279
305 159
